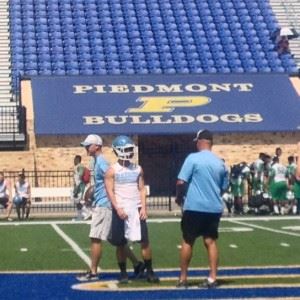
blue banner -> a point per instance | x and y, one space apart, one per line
164 104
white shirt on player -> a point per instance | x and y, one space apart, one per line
126 182
279 172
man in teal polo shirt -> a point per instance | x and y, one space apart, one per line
201 181
101 207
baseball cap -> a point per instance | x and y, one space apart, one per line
203 134
92 139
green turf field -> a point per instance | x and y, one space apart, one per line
64 246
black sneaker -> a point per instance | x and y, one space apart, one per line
123 279
182 284
139 270
209 285
88 276
151 277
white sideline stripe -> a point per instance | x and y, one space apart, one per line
72 244
163 220
265 228
259 218
13 223
293 228
152 220
235 229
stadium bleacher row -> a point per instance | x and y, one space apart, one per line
72 37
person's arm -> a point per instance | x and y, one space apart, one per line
226 181
77 180
297 173
182 180
180 191
89 195
29 193
15 188
142 189
9 189
109 181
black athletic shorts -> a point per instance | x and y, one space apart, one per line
117 234
4 201
195 224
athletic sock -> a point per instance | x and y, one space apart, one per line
276 209
294 209
122 266
148 264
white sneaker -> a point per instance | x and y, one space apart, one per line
78 218
88 276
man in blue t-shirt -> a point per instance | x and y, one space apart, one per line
101 211
201 181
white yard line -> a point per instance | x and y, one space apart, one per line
72 244
264 228
260 218
17 223
13 223
71 250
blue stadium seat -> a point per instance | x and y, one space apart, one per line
147 36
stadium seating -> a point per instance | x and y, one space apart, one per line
74 37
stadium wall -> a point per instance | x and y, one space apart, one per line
57 152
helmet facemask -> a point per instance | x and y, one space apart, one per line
124 152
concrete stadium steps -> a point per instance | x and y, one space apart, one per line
10 137
5 137
288 15
6 95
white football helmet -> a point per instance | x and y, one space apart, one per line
123 147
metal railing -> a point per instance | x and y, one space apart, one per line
65 179
44 178
47 179
13 130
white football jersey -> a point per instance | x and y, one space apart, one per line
279 172
126 185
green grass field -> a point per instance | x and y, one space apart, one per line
36 246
